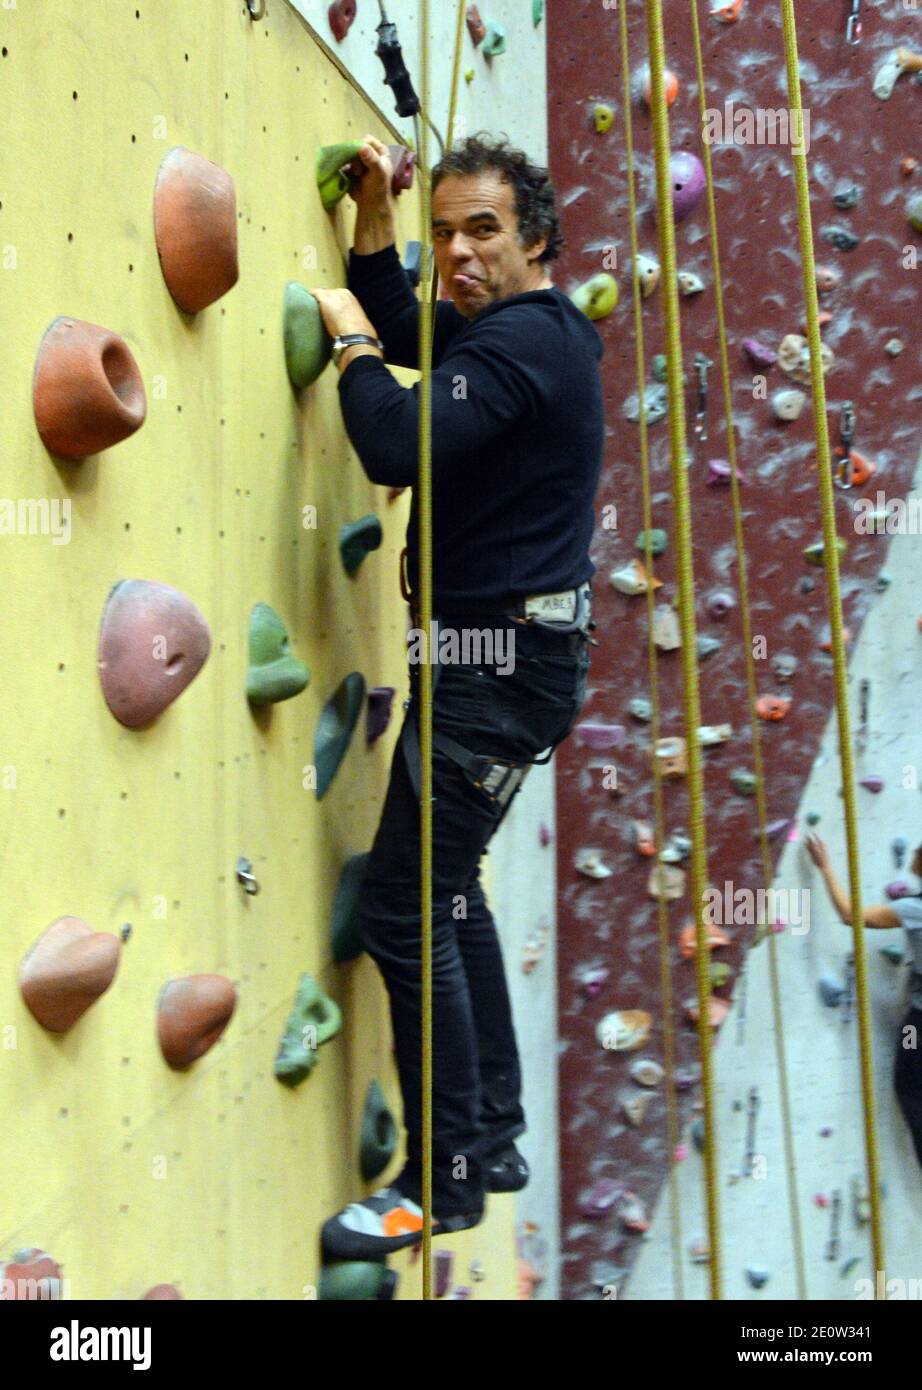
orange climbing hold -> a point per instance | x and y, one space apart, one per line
87 391
192 1013
195 228
717 1010
66 971
772 706
727 13
862 468
716 936
670 84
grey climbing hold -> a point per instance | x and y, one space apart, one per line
658 541
892 953
788 405
656 405
743 781
646 1072
898 847
707 646
698 1135
831 991
690 283
841 238
847 197
784 665
757 1276
813 817
883 581
641 709
894 346
914 212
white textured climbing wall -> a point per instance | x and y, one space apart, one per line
821 1041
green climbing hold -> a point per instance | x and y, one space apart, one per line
816 553
603 117
598 296
658 367
334 729
721 974
357 539
333 178
744 782
346 941
892 953
914 212
307 342
658 541
813 817
273 674
313 1021
378 1141
537 12
495 41
350 1280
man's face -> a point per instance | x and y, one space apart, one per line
475 236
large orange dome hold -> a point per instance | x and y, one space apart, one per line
195 225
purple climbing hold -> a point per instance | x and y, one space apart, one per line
719 471
600 736
687 178
872 783
720 603
601 1197
758 354
544 835
899 888
593 980
378 715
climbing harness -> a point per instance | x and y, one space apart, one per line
500 778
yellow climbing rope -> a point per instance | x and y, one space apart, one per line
655 47
428 297
740 544
831 565
665 945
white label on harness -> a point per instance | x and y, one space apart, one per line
561 607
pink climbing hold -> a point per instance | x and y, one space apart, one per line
873 783
153 642
162 1293
758 354
719 471
593 980
341 16
31 1276
544 835
600 736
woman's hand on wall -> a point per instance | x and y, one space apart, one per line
816 848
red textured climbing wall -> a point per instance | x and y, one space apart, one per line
854 138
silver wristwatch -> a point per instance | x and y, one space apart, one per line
347 340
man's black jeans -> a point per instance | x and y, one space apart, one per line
476 1077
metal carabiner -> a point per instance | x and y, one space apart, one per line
846 434
853 28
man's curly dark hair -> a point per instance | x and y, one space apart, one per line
534 193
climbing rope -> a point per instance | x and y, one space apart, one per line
740 544
831 565
428 299
665 945
655 47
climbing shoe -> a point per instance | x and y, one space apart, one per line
384 1222
506 1170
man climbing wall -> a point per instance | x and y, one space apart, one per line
517 433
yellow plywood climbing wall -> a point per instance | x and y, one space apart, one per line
129 1174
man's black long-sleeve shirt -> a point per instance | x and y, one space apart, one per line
517 434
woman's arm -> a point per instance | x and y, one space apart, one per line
882 916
